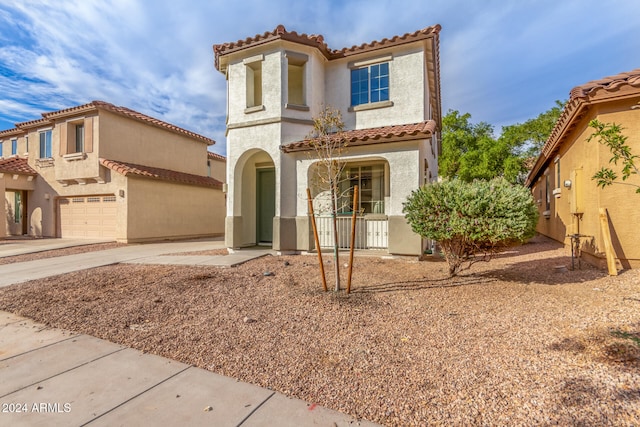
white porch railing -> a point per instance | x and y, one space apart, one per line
371 233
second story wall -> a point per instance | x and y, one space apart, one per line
406 86
136 142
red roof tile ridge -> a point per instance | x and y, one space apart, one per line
377 134
317 41
151 120
279 32
427 31
216 156
124 111
607 83
574 107
18 165
125 168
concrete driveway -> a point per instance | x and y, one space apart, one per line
148 253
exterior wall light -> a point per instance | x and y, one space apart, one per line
567 183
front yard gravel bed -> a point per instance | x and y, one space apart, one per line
511 342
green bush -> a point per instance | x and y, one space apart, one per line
472 221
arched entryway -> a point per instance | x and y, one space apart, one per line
265 204
254 200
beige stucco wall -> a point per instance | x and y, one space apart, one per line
163 210
218 169
113 137
133 141
621 201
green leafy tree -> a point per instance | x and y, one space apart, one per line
472 221
529 137
610 134
470 151
464 147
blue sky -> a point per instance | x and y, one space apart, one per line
501 61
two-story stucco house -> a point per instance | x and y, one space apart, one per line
569 199
388 93
102 171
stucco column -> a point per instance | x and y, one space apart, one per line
3 209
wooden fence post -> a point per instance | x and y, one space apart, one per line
315 235
353 236
608 246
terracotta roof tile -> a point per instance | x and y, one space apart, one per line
317 41
11 132
16 165
150 172
50 117
216 156
372 135
608 83
581 97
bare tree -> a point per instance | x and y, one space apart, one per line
328 143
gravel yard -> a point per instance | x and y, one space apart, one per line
510 342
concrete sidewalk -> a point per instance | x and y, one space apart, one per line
21 246
53 377
148 253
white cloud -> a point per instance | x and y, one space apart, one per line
500 61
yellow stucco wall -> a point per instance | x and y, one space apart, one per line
164 210
621 201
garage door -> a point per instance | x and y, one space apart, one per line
90 216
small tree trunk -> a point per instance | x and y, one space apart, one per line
334 221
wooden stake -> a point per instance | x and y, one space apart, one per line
608 246
315 235
353 236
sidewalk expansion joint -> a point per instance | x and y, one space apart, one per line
39 348
65 371
135 396
256 408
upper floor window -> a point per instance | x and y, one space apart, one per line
253 69
370 84
79 138
14 147
1 149
296 80
45 144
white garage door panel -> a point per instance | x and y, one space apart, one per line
91 216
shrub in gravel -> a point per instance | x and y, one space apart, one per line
472 221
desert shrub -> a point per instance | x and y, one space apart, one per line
472 221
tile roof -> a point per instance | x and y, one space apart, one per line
11 132
317 41
150 172
16 165
49 118
619 86
372 136
609 84
216 156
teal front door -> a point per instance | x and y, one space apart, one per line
265 204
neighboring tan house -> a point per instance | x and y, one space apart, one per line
102 171
388 93
561 179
